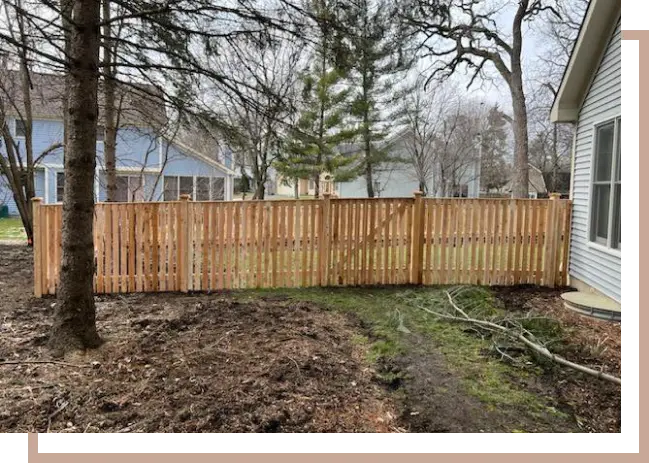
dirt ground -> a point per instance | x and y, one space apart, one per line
223 363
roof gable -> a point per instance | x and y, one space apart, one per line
594 36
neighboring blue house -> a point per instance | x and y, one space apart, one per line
150 165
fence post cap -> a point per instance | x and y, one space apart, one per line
37 200
326 195
418 194
555 195
185 197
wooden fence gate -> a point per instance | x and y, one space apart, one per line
201 246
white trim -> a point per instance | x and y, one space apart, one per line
605 249
46 182
589 223
572 161
56 187
591 44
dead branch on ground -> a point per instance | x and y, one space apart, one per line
518 334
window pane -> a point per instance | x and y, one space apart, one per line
218 188
170 188
599 224
121 194
604 151
135 188
186 186
618 154
617 218
60 181
20 128
202 188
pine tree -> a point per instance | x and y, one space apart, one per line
378 50
323 122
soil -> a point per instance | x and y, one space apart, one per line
219 363
178 363
596 405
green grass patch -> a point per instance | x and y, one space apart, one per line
11 228
393 317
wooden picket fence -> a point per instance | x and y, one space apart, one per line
205 246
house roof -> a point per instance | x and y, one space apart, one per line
140 105
595 32
536 181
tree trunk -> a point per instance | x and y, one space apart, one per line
296 188
74 319
316 180
260 189
110 134
520 184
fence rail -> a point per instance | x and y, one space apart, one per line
201 246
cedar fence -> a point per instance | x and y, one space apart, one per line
203 246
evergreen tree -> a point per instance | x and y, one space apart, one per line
378 50
323 122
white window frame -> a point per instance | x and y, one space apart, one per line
142 179
56 185
194 184
608 246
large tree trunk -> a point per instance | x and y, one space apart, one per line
74 318
520 184
110 134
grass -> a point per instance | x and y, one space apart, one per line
11 228
393 315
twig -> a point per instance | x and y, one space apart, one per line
299 373
54 413
20 362
532 345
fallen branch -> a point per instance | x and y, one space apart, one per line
21 362
520 337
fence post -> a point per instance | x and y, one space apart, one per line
551 241
183 263
37 247
325 237
416 264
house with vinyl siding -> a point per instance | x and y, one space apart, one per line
394 179
590 98
153 162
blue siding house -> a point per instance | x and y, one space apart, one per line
151 166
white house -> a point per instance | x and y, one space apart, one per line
590 98
398 179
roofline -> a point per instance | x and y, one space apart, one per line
201 156
594 35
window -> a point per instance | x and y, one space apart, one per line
170 189
21 129
218 188
129 188
202 188
101 132
605 217
199 188
60 181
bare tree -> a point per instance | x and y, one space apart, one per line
257 116
18 160
421 117
465 33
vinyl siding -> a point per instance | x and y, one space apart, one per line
136 148
597 268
